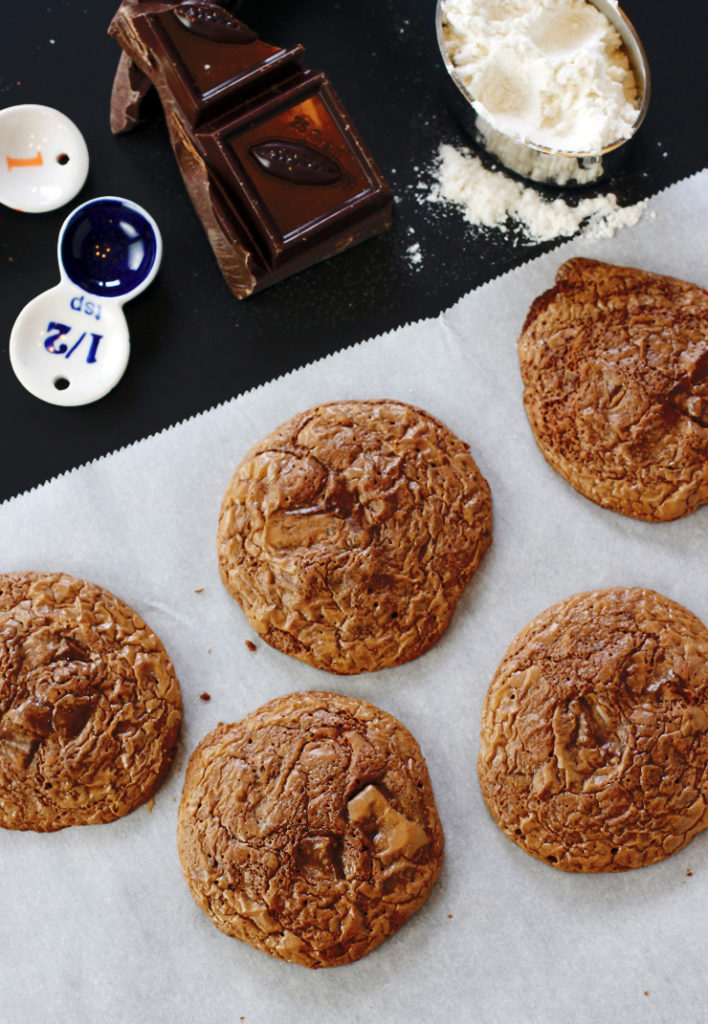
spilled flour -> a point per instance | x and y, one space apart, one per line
414 254
491 199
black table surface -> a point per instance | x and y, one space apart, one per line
193 344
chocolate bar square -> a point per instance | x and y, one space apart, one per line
304 181
215 65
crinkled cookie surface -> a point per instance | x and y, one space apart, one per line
594 742
614 362
309 829
90 706
349 533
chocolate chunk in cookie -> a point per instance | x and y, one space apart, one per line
90 706
594 745
349 534
309 829
615 368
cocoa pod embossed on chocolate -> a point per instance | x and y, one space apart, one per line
296 162
214 23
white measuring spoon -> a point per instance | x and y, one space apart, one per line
43 158
70 345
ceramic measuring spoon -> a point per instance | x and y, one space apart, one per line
70 345
43 158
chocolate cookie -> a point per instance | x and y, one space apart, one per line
349 533
309 829
615 368
594 745
89 704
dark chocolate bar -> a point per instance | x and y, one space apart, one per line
277 173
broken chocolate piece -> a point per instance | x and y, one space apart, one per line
277 173
130 91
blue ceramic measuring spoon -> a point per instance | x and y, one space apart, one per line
70 345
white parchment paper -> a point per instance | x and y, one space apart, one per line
96 923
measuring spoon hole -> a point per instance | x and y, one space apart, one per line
61 383
63 158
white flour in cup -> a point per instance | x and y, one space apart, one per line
551 72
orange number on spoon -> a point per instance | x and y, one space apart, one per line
35 161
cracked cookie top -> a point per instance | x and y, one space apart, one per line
614 362
594 743
309 829
349 533
90 706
